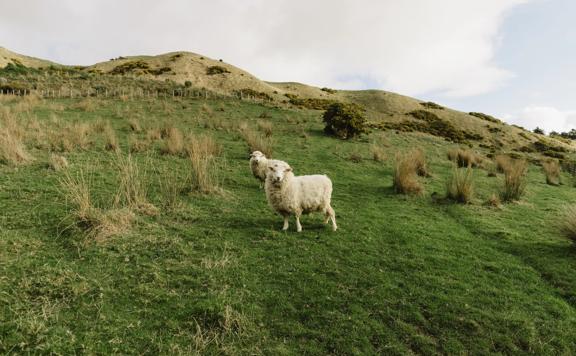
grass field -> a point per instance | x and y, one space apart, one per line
214 273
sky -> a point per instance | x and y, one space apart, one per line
513 59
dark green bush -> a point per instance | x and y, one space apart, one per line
311 103
538 131
129 67
344 121
485 117
187 84
431 105
216 70
247 92
328 90
160 70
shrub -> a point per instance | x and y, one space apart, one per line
137 145
568 225
153 134
405 179
134 125
552 171
251 93
311 103
187 84
212 70
460 186
485 117
434 125
493 201
431 105
539 131
514 181
329 91
419 159
344 121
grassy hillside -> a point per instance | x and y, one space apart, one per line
181 271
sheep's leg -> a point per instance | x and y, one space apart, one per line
285 227
332 215
298 225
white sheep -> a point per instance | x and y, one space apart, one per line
294 195
259 165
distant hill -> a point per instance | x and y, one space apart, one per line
385 110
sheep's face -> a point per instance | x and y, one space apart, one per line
277 173
257 156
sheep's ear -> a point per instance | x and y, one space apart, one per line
270 168
289 169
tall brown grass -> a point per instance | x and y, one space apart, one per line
86 105
405 180
378 153
419 159
204 176
132 188
503 163
465 158
57 162
110 139
173 143
551 171
460 186
514 184
134 125
257 142
97 223
265 127
568 223
12 149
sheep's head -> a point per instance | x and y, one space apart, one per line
257 156
277 172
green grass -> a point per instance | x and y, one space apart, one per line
215 273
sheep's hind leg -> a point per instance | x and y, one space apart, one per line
332 216
285 227
298 225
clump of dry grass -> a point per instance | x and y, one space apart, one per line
552 171
134 125
78 134
465 158
204 171
137 145
378 153
355 157
132 192
12 150
265 127
405 179
110 139
207 109
97 223
514 181
153 134
419 158
257 142
460 186
503 163
173 143
568 224
86 105
171 186
57 162
494 201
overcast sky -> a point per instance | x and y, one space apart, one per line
511 58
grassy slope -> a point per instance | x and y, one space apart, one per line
401 275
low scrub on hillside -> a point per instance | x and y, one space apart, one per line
344 121
213 70
485 117
465 158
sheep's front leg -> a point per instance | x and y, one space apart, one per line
285 227
298 226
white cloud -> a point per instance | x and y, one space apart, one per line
411 46
545 117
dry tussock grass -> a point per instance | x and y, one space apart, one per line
173 142
552 171
378 152
132 188
110 139
494 201
12 149
86 105
257 142
405 179
134 125
503 163
460 186
57 162
568 223
98 224
153 134
514 181
266 127
137 145
204 170
465 158
420 164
